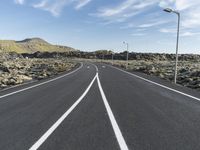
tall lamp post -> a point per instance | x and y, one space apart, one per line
127 46
112 57
177 41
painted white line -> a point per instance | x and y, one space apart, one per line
14 86
163 86
18 91
113 121
95 67
60 120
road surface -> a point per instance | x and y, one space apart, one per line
100 107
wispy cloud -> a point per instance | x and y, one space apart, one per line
156 23
189 11
138 34
124 10
179 4
189 34
184 32
144 25
165 30
82 3
55 7
21 2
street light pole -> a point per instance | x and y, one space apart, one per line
112 58
177 40
127 46
177 46
95 56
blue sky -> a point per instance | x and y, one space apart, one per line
104 24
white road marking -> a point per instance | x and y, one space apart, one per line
96 68
115 126
60 120
14 86
163 86
113 121
18 91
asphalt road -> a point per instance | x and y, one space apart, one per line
99 107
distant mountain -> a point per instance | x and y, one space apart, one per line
31 45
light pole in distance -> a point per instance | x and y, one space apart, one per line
169 10
127 46
113 57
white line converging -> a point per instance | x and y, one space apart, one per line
116 129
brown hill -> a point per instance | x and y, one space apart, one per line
31 45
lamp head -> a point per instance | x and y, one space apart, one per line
169 10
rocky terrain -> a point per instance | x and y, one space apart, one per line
19 70
30 60
188 71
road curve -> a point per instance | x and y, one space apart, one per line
152 117
100 107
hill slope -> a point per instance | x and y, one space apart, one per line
31 45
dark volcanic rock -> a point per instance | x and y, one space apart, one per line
17 71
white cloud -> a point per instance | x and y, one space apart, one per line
188 33
127 9
183 32
156 23
138 34
21 2
107 12
166 3
179 4
192 19
54 7
124 10
164 30
189 10
42 4
142 27
184 4
82 3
